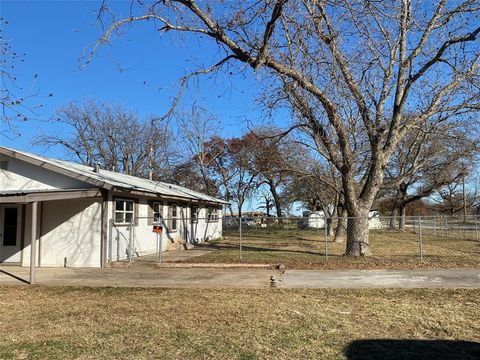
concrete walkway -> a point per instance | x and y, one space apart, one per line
461 278
244 278
141 277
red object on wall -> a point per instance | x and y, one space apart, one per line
157 229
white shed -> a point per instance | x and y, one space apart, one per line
316 219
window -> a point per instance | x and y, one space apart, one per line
123 211
157 212
212 214
194 214
173 217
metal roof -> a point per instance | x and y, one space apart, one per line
30 191
114 179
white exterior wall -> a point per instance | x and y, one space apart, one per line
203 230
21 175
28 235
145 241
143 238
67 230
71 233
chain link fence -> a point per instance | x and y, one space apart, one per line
301 241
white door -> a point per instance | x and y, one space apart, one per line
10 233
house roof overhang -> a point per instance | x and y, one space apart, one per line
28 196
150 195
113 182
52 167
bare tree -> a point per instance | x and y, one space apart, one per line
318 189
453 198
243 180
115 138
266 203
350 70
17 103
436 156
197 128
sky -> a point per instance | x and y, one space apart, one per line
139 69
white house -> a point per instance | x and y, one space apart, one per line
87 217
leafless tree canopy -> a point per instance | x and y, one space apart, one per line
114 138
17 103
351 71
429 160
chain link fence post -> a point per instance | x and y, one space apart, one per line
446 226
420 235
159 247
130 242
325 232
110 240
461 226
240 233
476 228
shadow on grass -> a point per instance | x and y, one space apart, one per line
14 276
256 249
393 349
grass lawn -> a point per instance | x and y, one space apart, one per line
305 249
113 323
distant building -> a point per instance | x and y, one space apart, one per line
251 214
316 219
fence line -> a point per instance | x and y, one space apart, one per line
296 240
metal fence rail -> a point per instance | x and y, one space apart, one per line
300 241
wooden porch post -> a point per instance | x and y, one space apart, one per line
33 243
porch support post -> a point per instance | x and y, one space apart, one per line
105 230
33 243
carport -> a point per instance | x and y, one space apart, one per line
16 228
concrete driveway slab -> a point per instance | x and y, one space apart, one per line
142 277
244 278
461 278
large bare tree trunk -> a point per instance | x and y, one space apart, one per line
330 228
357 235
276 199
330 231
394 224
401 224
340 231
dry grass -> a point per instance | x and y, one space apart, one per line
306 250
108 323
